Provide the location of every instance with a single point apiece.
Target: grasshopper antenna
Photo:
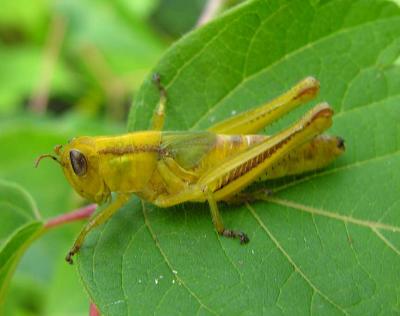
(38, 159)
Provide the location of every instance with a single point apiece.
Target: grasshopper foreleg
(98, 219)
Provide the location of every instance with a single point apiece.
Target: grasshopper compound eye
(78, 162)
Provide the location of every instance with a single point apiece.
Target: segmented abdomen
(229, 146)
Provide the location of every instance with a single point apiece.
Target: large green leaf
(21, 223)
(42, 276)
(327, 243)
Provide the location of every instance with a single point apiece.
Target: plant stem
(76, 215)
(93, 311)
(40, 95)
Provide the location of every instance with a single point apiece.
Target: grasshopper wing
(187, 148)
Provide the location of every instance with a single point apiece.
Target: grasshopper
(167, 168)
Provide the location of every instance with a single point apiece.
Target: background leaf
(20, 224)
(42, 279)
(328, 243)
(176, 17)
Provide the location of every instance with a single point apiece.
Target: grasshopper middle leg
(159, 113)
(217, 220)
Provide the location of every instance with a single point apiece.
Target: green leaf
(42, 276)
(125, 41)
(326, 243)
(15, 88)
(176, 17)
(25, 17)
(21, 223)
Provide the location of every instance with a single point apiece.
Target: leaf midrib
(343, 218)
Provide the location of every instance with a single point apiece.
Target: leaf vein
(292, 273)
(231, 262)
(356, 255)
(198, 53)
(162, 298)
(171, 268)
(372, 104)
(95, 248)
(386, 241)
(356, 76)
(132, 238)
(291, 261)
(336, 216)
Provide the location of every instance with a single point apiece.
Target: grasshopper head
(80, 165)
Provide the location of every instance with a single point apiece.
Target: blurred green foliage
(73, 67)
(85, 55)
(67, 68)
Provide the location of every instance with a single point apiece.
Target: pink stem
(93, 311)
(76, 215)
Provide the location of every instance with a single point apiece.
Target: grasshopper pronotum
(169, 168)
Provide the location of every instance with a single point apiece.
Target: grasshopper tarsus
(70, 254)
(68, 258)
(340, 143)
(244, 239)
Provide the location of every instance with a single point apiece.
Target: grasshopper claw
(70, 254)
(244, 239)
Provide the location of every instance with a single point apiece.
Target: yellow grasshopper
(169, 168)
